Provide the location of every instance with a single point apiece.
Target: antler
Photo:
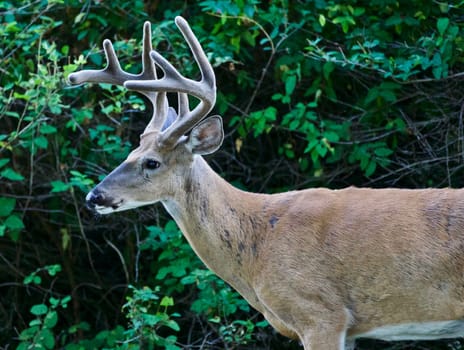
(173, 81)
(114, 74)
(155, 89)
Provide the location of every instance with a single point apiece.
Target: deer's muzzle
(100, 202)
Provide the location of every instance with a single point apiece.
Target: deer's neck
(220, 222)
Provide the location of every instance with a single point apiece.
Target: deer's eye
(151, 164)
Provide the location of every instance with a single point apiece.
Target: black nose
(95, 198)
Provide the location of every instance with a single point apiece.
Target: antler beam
(155, 89)
(173, 81)
(113, 73)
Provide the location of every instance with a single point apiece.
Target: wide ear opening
(207, 136)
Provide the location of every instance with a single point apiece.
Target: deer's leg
(327, 339)
(309, 308)
(325, 328)
(314, 323)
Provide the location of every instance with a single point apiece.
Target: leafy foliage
(314, 93)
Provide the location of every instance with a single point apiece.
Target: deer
(325, 267)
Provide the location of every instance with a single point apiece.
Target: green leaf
(47, 129)
(270, 113)
(167, 301)
(54, 302)
(41, 142)
(437, 72)
(370, 169)
(14, 222)
(65, 50)
(14, 235)
(442, 25)
(19, 96)
(59, 186)
(12, 175)
(39, 309)
(327, 69)
(235, 42)
(7, 205)
(383, 152)
(321, 149)
(311, 145)
(173, 325)
(4, 161)
(46, 338)
(331, 136)
(290, 84)
(75, 328)
(32, 278)
(51, 319)
(172, 346)
(35, 322)
(53, 269)
(64, 302)
(29, 333)
(364, 161)
(358, 11)
(79, 17)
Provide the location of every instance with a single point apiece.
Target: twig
(123, 263)
(84, 236)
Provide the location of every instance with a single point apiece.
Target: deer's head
(158, 167)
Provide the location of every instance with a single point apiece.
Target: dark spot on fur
(239, 258)
(226, 239)
(439, 218)
(253, 223)
(254, 248)
(188, 187)
(273, 221)
(204, 209)
(241, 247)
(441, 286)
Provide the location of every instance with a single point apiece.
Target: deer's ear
(207, 136)
(171, 118)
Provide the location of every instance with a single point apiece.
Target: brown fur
(320, 263)
(326, 262)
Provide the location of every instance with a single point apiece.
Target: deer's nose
(95, 198)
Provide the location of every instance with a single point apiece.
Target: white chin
(123, 206)
(105, 210)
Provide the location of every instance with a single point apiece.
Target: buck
(323, 266)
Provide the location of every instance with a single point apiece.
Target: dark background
(364, 93)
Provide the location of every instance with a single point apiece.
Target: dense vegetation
(313, 93)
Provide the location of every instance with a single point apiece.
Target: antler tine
(148, 66)
(183, 104)
(113, 73)
(160, 111)
(206, 69)
(173, 81)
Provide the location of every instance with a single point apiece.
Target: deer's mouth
(100, 202)
(103, 204)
